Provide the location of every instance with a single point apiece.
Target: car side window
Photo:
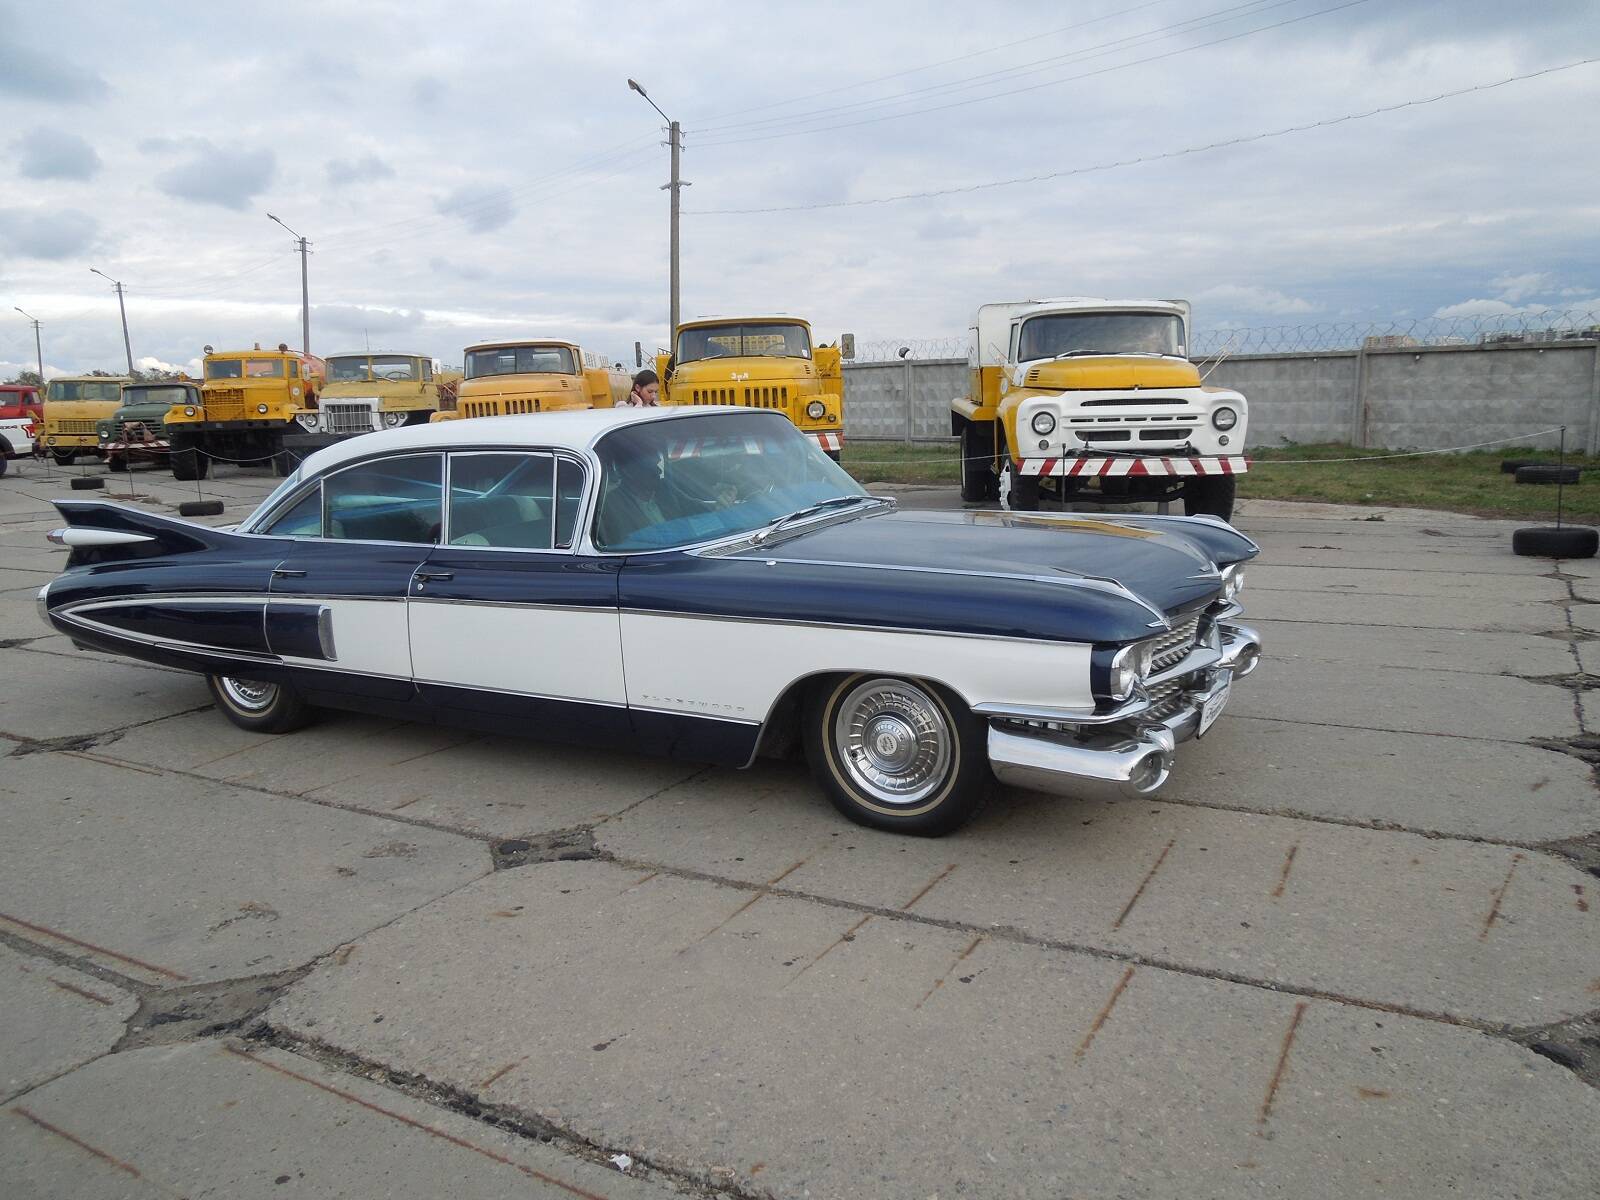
(569, 498)
(504, 500)
(302, 519)
(389, 500)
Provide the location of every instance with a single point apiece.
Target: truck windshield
(359, 368)
(520, 360)
(82, 390)
(168, 394)
(245, 368)
(741, 341)
(1056, 334)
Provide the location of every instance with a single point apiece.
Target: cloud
(1255, 300)
(56, 154)
(53, 234)
(358, 170)
(26, 72)
(219, 175)
(947, 227)
(1519, 287)
(151, 363)
(482, 209)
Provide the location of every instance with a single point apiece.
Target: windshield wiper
(760, 536)
(1075, 353)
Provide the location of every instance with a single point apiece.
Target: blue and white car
(702, 583)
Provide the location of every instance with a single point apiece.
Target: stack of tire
(1548, 541)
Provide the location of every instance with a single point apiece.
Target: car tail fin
(97, 531)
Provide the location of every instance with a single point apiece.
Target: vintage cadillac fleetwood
(704, 583)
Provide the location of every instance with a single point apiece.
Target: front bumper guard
(1121, 758)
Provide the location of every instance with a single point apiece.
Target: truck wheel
(64, 458)
(978, 481)
(897, 754)
(188, 463)
(5, 464)
(1018, 493)
(1210, 497)
(259, 707)
(283, 464)
(116, 462)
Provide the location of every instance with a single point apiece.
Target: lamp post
(127, 346)
(305, 290)
(37, 349)
(675, 186)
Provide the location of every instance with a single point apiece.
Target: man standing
(646, 391)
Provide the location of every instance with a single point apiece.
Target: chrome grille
(1165, 700)
(349, 418)
(1172, 648)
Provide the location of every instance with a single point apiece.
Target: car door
(336, 606)
(511, 628)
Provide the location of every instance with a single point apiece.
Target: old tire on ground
(897, 754)
(1547, 473)
(259, 707)
(188, 463)
(1510, 466)
(84, 483)
(978, 482)
(200, 508)
(1212, 496)
(1570, 541)
(64, 458)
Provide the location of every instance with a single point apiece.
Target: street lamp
(36, 346)
(127, 346)
(305, 290)
(675, 186)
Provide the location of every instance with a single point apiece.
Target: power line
(1019, 70)
(944, 62)
(1149, 158)
(1232, 37)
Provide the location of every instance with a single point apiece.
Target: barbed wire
(1535, 326)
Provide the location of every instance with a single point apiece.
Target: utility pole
(675, 186)
(305, 289)
(37, 346)
(127, 346)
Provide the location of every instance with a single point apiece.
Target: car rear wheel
(1210, 497)
(897, 754)
(257, 706)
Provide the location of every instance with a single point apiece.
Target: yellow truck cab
(1094, 399)
(541, 375)
(759, 362)
(369, 391)
(74, 406)
(248, 402)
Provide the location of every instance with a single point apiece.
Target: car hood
(1171, 563)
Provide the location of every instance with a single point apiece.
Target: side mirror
(847, 346)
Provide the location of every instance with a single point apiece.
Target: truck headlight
(816, 410)
(308, 420)
(1233, 581)
(1044, 422)
(1224, 418)
(1129, 668)
(189, 411)
(262, 409)
(393, 420)
(105, 435)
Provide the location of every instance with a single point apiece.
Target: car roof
(575, 431)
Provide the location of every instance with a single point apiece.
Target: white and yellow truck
(1091, 399)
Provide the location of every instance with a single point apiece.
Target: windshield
(739, 340)
(678, 482)
(168, 394)
(388, 368)
(520, 360)
(1102, 333)
(61, 389)
(244, 368)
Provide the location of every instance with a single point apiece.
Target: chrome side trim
(842, 625)
(325, 633)
(83, 536)
(516, 604)
(462, 687)
(1061, 716)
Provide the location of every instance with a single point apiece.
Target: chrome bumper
(1131, 756)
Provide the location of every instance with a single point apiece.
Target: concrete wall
(1422, 397)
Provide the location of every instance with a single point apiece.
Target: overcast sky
(478, 170)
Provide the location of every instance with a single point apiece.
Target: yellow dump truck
(759, 362)
(365, 392)
(248, 403)
(74, 406)
(1094, 399)
(541, 375)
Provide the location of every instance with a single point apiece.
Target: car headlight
(1224, 418)
(1233, 581)
(308, 420)
(1044, 422)
(261, 408)
(1129, 668)
(189, 411)
(816, 410)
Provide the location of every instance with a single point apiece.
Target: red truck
(21, 413)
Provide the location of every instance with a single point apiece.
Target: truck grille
(498, 408)
(72, 425)
(225, 404)
(348, 418)
(1172, 648)
(750, 397)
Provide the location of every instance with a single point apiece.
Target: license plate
(1212, 710)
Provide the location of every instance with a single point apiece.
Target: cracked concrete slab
(1265, 576)
(55, 1019)
(1399, 646)
(1351, 551)
(171, 881)
(1495, 616)
(242, 1121)
(1478, 932)
(926, 1060)
(51, 696)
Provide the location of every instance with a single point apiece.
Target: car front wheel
(259, 707)
(897, 754)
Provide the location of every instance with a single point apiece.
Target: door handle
(432, 576)
(281, 573)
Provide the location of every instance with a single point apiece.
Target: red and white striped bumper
(832, 442)
(1149, 465)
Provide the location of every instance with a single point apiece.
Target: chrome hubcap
(894, 740)
(248, 694)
